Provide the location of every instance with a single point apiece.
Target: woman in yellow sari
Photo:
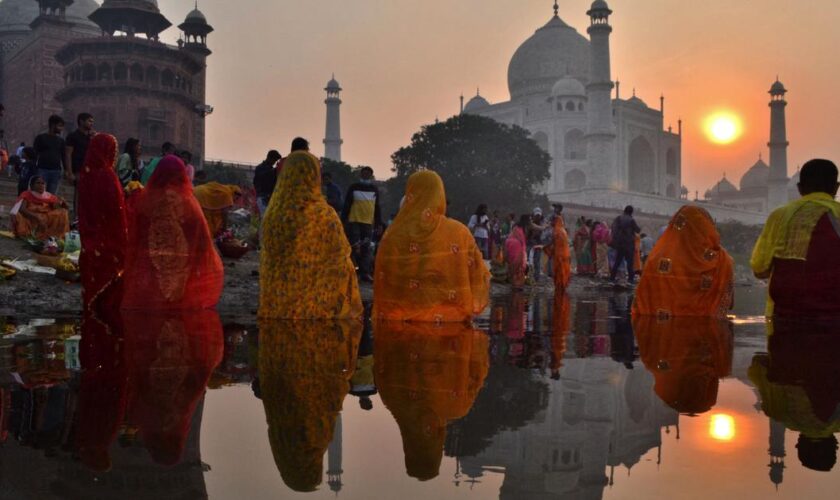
(428, 267)
(216, 200)
(688, 273)
(305, 266)
(39, 213)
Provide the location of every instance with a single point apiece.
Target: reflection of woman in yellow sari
(216, 200)
(687, 357)
(305, 369)
(428, 267)
(427, 376)
(305, 266)
(799, 386)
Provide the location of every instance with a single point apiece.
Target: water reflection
(428, 375)
(304, 374)
(800, 391)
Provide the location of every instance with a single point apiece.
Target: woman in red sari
(103, 227)
(171, 262)
(39, 213)
(516, 252)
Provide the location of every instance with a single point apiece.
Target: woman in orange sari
(688, 273)
(516, 252)
(305, 267)
(103, 226)
(39, 213)
(561, 254)
(216, 200)
(171, 262)
(428, 267)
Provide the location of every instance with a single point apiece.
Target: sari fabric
(561, 255)
(50, 219)
(103, 226)
(171, 263)
(103, 389)
(305, 369)
(305, 267)
(215, 200)
(170, 358)
(560, 328)
(688, 273)
(428, 375)
(428, 267)
(687, 356)
(583, 250)
(516, 255)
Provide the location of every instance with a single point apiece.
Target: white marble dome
(722, 187)
(475, 104)
(555, 51)
(16, 15)
(568, 87)
(756, 176)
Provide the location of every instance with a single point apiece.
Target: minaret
(334, 458)
(600, 138)
(777, 452)
(778, 178)
(332, 139)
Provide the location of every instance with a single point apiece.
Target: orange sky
(402, 63)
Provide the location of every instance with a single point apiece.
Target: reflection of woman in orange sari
(216, 200)
(39, 213)
(516, 252)
(428, 267)
(102, 224)
(305, 267)
(305, 370)
(688, 273)
(170, 359)
(560, 319)
(687, 356)
(171, 261)
(428, 375)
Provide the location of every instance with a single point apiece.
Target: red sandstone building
(66, 57)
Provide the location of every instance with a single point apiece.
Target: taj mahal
(608, 151)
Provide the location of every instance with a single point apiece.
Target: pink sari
(516, 256)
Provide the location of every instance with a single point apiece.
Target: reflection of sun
(723, 127)
(722, 427)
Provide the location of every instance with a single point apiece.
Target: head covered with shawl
(428, 267)
(171, 263)
(170, 358)
(305, 369)
(103, 226)
(688, 273)
(428, 375)
(214, 199)
(687, 356)
(305, 267)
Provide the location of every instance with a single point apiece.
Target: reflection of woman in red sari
(102, 393)
(102, 223)
(169, 361)
(171, 261)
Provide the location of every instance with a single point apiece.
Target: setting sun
(723, 127)
(722, 427)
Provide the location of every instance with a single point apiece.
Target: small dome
(756, 176)
(636, 101)
(568, 87)
(721, 188)
(475, 104)
(778, 88)
(599, 5)
(17, 15)
(333, 84)
(196, 16)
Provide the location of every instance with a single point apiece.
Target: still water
(547, 398)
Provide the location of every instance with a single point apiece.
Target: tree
(480, 161)
(227, 174)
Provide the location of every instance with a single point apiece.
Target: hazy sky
(402, 63)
